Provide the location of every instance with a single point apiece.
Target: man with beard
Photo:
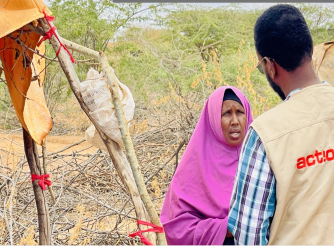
(283, 191)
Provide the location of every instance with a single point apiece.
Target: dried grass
(92, 205)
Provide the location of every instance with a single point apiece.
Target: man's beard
(276, 88)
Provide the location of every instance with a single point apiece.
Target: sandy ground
(11, 146)
(12, 151)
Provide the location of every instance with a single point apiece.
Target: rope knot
(42, 180)
(52, 32)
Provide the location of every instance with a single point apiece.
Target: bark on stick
(31, 152)
(112, 81)
(119, 160)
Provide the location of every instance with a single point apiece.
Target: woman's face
(233, 122)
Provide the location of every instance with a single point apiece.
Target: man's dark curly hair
(281, 33)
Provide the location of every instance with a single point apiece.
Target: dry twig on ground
(92, 205)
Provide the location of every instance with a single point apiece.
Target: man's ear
(271, 68)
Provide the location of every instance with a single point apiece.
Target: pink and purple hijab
(197, 202)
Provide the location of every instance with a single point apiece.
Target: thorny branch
(92, 205)
(91, 199)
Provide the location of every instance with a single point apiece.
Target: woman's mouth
(234, 134)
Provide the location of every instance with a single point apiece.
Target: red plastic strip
(155, 228)
(49, 34)
(42, 180)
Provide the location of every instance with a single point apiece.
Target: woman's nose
(234, 120)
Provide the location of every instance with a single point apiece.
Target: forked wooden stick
(119, 160)
(113, 83)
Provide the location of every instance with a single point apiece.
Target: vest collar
(298, 89)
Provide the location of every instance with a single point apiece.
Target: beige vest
(298, 136)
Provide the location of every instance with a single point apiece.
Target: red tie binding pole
(155, 228)
(42, 180)
(51, 32)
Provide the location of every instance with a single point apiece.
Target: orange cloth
(27, 97)
(14, 14)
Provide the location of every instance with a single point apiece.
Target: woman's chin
(234, 140)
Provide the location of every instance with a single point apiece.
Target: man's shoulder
(303, 108)
(270, 115)
(312, 95)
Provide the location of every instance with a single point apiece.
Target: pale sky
(245, 5)
(215, 5)
(242, 5)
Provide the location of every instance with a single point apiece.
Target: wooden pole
(113, 83)
(119, 160)
(81, 49)
(44, 153)
(31, 152)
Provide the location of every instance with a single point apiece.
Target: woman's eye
(241, 112)
(226, 113)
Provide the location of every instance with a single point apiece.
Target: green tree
(150, 59)
(92, 24)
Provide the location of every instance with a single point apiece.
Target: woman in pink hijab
(196, 206)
